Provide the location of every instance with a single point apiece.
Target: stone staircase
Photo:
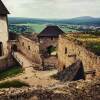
(23, 60)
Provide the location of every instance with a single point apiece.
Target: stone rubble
(76, 90)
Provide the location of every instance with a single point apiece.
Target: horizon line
(51, 18)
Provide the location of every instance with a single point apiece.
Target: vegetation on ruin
(11, 72)
(51, 49)
(91, 42)
(94, 47)
(13, 83)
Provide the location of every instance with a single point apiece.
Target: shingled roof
(51, 31)
(3, 9)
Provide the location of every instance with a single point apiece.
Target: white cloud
(53, 8)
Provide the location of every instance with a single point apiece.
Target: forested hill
(86, 20)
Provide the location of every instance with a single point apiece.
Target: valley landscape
(86, 24)
(50, 56)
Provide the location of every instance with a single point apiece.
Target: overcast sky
(53, 8)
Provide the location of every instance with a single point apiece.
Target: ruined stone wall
(29, 48)
(77, 90)
(46, 42)
(4, 33)
(69, 51)
(6, 62)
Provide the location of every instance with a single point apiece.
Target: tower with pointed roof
(48, 38)
(3, 29)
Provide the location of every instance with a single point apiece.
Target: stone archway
(14, 47)
(50, 49)
(1, 49)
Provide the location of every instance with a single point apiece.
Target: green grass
(11, 72)
(66, 29)
(14, 84)
(94, 47)
(91, 42)
(36, 27)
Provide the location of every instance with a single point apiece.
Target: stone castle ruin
(49, 48)
(3, 29)
(40, 49)
(69, 51)
(5, 60)
(48, 38)
(48, 45)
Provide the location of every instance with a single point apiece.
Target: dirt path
(31, 76)
(36, 78)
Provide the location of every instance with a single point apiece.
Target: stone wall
(69, 51)
(4, 33)
(29, 48)
(46, 42)
(72, 73)
(6, 62)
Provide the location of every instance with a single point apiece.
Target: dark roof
(3, 9)
(51, 31)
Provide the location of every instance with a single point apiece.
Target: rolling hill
(85, 20)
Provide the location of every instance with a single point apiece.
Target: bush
(94, 47)
(14, 84)
(51, 49)
(11, 72)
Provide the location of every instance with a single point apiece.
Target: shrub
(11, 72)
(14, 84)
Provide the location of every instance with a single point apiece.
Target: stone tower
(3, 29)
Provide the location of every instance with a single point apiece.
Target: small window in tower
(22, 43)
(1, 49)
(65, 50)
(51, 38)
(28, 47)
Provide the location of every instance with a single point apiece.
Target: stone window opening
(1, 49)
(64, 67)
(51, 38)
(14, 48)
(65, 50)
(22, 43)
(94, 74)
(29, 48)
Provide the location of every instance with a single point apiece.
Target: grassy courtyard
(11, 72)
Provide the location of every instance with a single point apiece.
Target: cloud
(53, 8)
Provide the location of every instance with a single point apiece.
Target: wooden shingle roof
(51, 31)
(3, 9)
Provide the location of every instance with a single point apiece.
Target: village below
(54, 62)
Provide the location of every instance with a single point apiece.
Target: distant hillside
(86, 20)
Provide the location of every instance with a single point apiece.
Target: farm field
(37, 28)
